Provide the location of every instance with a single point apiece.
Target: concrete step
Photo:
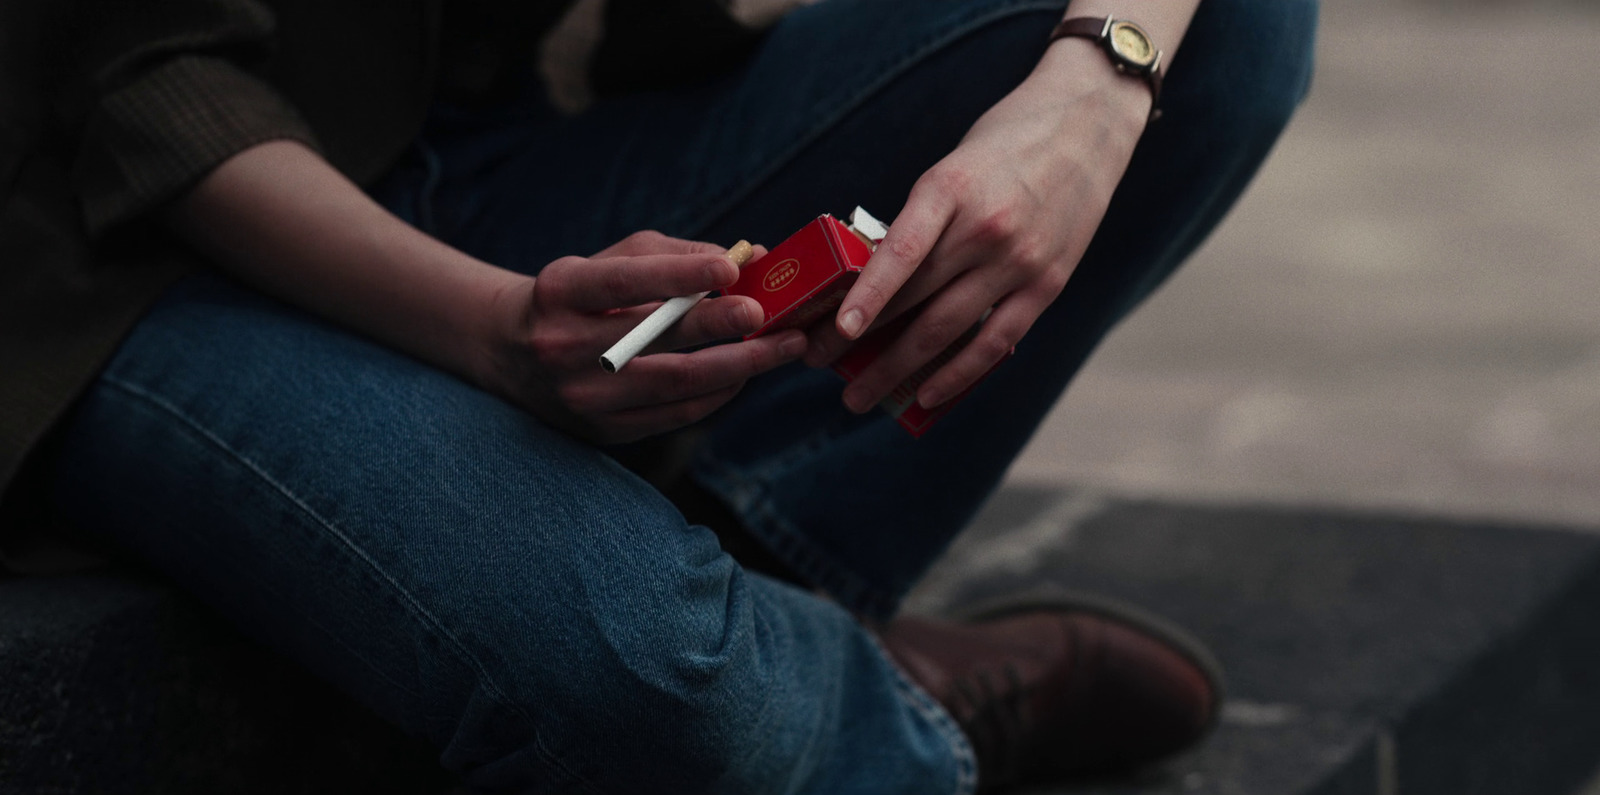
(1366, 654)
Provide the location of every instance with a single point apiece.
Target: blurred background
(1403, 312)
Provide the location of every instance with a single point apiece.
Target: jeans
(542, 616)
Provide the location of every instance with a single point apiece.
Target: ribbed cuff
(151, 139)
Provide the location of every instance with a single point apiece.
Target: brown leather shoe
(1047, 689)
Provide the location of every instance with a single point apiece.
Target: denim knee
(657, 681)
(1243, 70)
(689, 682)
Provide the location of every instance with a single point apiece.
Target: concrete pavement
(1404, 310)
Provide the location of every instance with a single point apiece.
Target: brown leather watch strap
(1097, 28)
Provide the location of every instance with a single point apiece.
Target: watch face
(1128, 41)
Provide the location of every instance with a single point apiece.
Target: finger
(1000, 333)
(634, 424)
(912, 236)
(828, 343)
(711, 320)
(595, 285)
(650, 241)
(929, 335)
(671, 377)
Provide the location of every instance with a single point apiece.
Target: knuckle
(874, 294)
(1052, 281)
(616, 282)
(645, 237)
(564, 270)
(905, 248)
(543, 344)
(936, 334)
(551, 346)
(1030, 250)
(949, 179)
(997, 226)
(551, 288)
(685, 379)
(761, 359)
(559, 281)
(990, 347)
(573, 395)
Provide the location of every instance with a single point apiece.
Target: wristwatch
(1129, 47)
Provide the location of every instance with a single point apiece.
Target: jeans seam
(891, 69)
(412, 605)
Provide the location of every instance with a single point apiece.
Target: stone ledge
(1365, 653)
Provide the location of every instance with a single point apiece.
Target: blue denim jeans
(546, 619)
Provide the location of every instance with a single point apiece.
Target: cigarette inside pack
(805, 278)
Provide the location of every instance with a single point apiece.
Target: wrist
(1078, 68)
(500, 330)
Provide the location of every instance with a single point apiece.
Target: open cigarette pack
(804, 279)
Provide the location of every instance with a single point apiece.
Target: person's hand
(554, 327)
(1001, 222)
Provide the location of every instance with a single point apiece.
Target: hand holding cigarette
(551, 332)
(663, 318)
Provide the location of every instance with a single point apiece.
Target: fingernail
(723, 272)
(753, 317)
(793, 346)
(857, 400)
(930, 398)
(851, 322)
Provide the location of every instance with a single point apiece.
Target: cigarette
(652, 327)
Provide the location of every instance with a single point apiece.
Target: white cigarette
(652, 327)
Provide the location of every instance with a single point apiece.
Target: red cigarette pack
(805, 278)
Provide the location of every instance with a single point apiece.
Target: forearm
(280, 218)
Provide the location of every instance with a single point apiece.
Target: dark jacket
(111, 108)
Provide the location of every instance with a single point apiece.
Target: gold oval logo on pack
(779, 275)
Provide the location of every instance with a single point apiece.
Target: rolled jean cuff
(928, 708)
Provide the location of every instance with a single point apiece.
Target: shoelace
(998, 723)
(994, 720)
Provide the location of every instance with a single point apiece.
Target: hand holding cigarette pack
(805, 278)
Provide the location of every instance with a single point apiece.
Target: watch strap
(1098, 29)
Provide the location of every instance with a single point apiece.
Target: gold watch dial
(1128, 41)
